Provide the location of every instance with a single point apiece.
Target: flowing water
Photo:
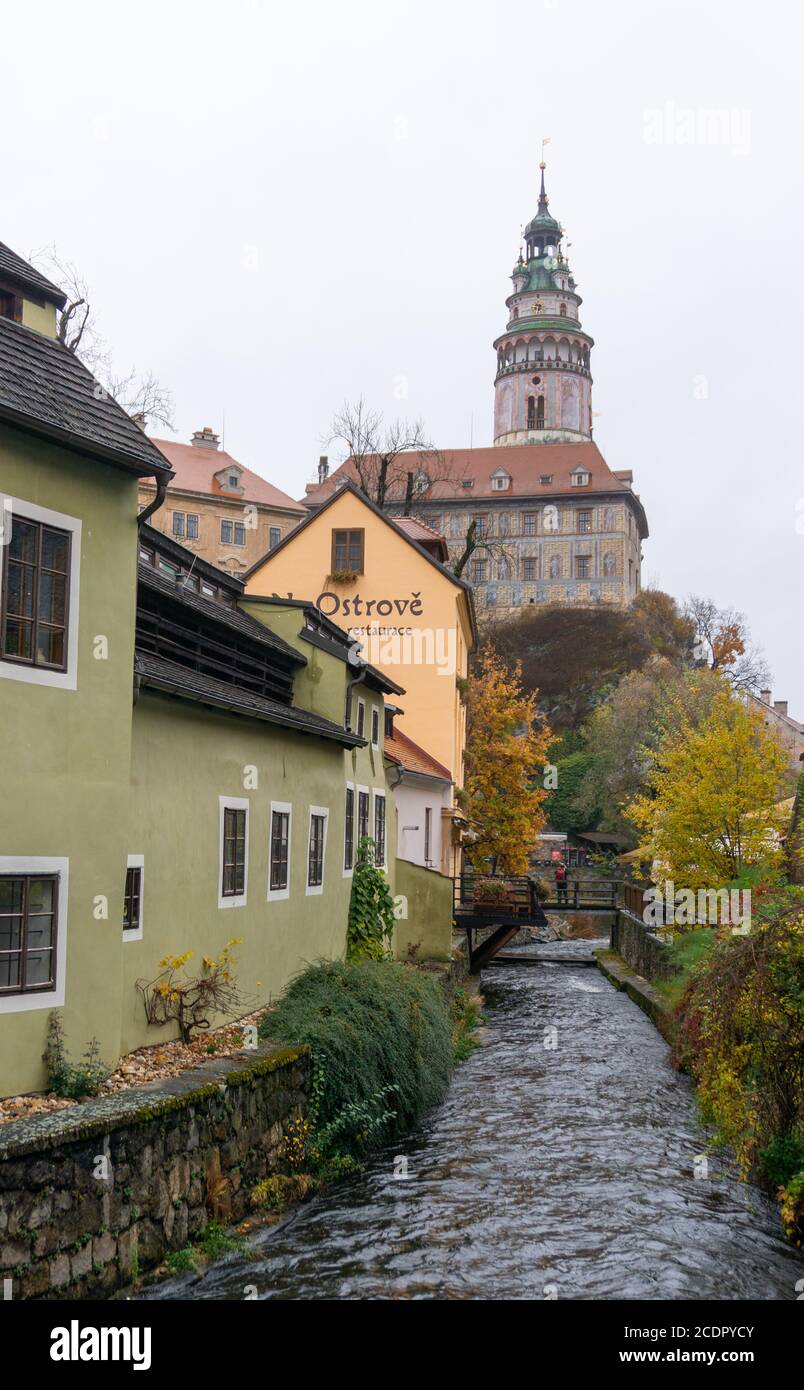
(561, 1171)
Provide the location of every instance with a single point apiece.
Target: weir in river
(565, 1163)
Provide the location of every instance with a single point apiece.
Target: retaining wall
(93, 1194)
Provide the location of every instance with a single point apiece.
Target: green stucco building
(180, 766)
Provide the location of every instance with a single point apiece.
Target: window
(316, 849)
(178, 523)
(500, 482)
(279, 851)
(227, 531)
(361, 719)
(234, 480)
(28, 923)
(467, 483)
(192, 526)
(579, 478)
(362, 813)
(584, 521)
(348, 551)
(582, 566)
(132, 898)
(234, 852)
(529, 569)
(529, 524)
(630, 573)
(240, 533)
(546, 479)
(379, 829)
(36, 580)
(349, 831)
(428, 834)
(274, 537)
(479, 568)
(11, 306)
(540, 413)
(531, 413)
(375, 727)
(481, 524)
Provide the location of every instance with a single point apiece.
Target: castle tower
(543, 386)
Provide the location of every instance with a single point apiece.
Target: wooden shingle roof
(47, 391)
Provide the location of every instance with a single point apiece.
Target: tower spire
(542, 195)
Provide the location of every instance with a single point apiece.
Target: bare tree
(395, 464)
(723, 643)
(140, 394)
(475, 542)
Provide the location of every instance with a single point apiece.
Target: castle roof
(468, 474)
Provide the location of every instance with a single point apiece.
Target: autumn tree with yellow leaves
(506, 753)
(709, 810)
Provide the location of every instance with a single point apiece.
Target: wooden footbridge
(498, 906)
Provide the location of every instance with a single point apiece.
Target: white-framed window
(316, 849)
(133, 897)
(375, 727)
(40, 567)
(279, 851)
(380, 829)
(361, 718)
(233, 864)
(33, 932)
(349, 829)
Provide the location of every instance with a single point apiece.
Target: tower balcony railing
(549, 364)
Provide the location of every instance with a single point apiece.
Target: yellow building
(414, 619)
(221, 510)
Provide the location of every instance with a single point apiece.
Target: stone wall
(641, 948)
(93, 1194)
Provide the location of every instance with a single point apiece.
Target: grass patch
(467, 1019)
(686, 951)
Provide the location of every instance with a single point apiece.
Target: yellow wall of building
(429, 614)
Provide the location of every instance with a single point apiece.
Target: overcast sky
(280, 207)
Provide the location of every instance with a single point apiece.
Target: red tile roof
(402, 750)
(526, 464)
(195, 470)
(431, 539)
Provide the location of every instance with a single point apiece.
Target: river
(562, 1171)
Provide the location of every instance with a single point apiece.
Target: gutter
(161, 493)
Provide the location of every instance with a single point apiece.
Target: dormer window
(468, 483)
(546, 479)
(421, 482)
(233, 480)
(500, 481)
(10, 305)
(579, 477)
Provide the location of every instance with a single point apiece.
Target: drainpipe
(401, 771)
(161, 493)
(357, 680)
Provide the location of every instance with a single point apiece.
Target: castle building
(552, 522)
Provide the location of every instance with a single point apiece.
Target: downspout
(358, 680)
(401, 770)
(161, 493)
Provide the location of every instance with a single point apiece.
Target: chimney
(780, 706)
(323, 469)
(764, 696)
(205, 439)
